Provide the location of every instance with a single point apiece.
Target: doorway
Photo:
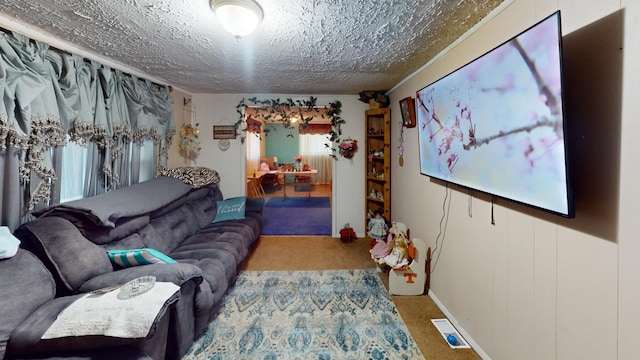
(297, 194)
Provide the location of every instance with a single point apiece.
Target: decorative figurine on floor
(399, 255)
(397, 252)
(347, 234)
(377, 226)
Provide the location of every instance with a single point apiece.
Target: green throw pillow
(135, 257)
(231, 209)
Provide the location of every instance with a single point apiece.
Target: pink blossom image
(496, 124)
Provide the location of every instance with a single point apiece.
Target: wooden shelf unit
(378, 163)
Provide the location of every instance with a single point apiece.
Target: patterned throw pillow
(135, 257)
(195, 176)
(231, 209)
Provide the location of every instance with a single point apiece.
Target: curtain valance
(314, 129)
(48, 94)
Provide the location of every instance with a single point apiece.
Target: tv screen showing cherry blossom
(496, 124)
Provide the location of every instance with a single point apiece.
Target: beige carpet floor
(327, 253)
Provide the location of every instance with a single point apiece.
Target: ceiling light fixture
(239, 17)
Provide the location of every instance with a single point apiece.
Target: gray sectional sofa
(64, 255)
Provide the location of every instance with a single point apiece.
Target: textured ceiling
(301, 46)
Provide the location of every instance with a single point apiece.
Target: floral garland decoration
(348, 148)
(189, 143)
(282, 111)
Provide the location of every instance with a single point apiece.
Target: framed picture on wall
(408, 111)
(224, 132)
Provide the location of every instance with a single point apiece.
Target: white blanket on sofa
(8, 243)
(107, 315)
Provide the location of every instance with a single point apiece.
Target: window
(147, 161)
(73, 170)
(253, 152)
(315, 153)
(314, 144)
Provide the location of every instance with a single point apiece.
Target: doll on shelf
(377, 226)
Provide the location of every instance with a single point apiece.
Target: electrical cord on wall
(493, 219)
(443, 230)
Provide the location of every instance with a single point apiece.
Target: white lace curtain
(253, 153)
(48, 94)
(316, 154)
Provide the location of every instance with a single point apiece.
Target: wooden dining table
(311, 172)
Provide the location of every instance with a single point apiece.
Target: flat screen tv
(496, 125)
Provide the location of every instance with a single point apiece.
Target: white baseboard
(458, 327)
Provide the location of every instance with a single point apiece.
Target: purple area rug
(298, 202)
(313, 219)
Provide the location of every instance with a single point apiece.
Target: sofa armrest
(120, 353)
(254, 204)
(176, 273)
(26, 340)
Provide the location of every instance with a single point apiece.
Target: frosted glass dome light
(239, 17)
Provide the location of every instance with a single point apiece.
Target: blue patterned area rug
(332, 314)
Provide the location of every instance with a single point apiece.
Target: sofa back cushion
(71, 258)
(171, 229)
(177, 221)
(26, 284)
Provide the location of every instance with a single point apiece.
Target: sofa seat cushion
(254, 221)
(231, 242)
(222, 251)
(244, 228)
(178, 274)
(21, 274)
